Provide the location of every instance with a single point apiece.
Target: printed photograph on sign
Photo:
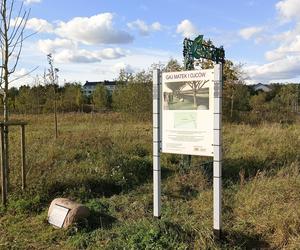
(186, 95)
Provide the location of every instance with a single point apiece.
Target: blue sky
(93, 39)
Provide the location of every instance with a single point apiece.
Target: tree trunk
(231, 106)
(5, 58)
(6, 141)
(195, 97)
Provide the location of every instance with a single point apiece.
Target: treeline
(40, 98)
(133, 97)
(280, 104)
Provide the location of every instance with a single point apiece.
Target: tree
(257, 102)
(12, 94)
(234, 77)
(72, 97)
(124, 77)
(172, 65)
(135, 98)
(51, 78)
(24, 100)
(39, 97)
(289, 95)
(100, 97)
(11, 42)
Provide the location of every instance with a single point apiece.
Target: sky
(91, 40)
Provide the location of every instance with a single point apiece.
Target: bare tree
(13, 21)
(11, 42)
(51, 78)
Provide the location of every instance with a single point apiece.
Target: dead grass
(104, 161)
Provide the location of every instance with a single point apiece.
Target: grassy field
(105, 162)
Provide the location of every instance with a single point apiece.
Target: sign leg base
(217, 234)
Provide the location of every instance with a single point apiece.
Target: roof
(262, 87)
(105, 82)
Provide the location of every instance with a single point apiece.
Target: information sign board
(188, 112)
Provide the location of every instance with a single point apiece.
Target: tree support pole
(6, 157)
(3, 177)
(23, 166)
(156, 144)
(217, 146)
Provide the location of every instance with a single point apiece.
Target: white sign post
(217, 164)
(187, 114)
(156, 143)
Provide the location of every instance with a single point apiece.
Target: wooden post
(3, 177)
(55, 118)
(6, 157)
(23, 170)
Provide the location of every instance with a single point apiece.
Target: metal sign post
(217, 164)
(156, 143)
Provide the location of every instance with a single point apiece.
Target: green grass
(105, 162)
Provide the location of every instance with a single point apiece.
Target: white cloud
(20, 77)
(87, 56)
(39, 25)
(284, 60)
(284, 69)
(112, 53)
(35, 24)
(156, 26)
(51, 46)
(20, 72)
(121, 65)
(287, 49)
(76, 56)
(143, 28)
(288, 9)
(27, 2)
(249, 32)
(96, 29)
(187, 29)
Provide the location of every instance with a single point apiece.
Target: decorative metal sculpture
(199, 48)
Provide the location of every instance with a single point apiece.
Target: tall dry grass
(104, 161)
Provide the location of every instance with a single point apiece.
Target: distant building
(261, 87)
(89, 87)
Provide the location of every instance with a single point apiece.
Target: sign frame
(217, 146)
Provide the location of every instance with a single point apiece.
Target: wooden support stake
(3, 177)
(6, 157)
(23, 170)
